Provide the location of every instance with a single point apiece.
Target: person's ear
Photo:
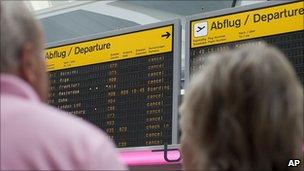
(28, 64)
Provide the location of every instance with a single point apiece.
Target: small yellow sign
(119, 47)
(256, 23)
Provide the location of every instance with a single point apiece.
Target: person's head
(22, 46)
(243, 111)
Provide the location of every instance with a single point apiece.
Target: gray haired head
(18, 27)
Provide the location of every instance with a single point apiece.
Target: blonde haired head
(243, 111)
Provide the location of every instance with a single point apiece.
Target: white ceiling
(46, 4)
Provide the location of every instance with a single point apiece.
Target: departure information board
(125, 82)
(278, 24)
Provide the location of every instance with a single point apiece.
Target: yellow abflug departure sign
(132, 45)
(125, 82)
(280, 24)
(247, 25)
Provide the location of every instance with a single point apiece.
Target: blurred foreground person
(243, 111)
(35, 136)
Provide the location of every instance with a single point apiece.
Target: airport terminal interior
(124, 65)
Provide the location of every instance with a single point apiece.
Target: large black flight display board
(278, 24)
(125, 82)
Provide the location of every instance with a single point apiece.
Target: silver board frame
(217, 13)
(176, 68)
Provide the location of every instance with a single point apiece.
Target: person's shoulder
(89, 145)
(46, 131)
(38, 117)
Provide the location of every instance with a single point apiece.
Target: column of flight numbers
(155, 100)
(111, 99)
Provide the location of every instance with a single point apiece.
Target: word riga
(294, 163)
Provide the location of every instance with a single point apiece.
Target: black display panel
(128, 93)
(279, 24)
